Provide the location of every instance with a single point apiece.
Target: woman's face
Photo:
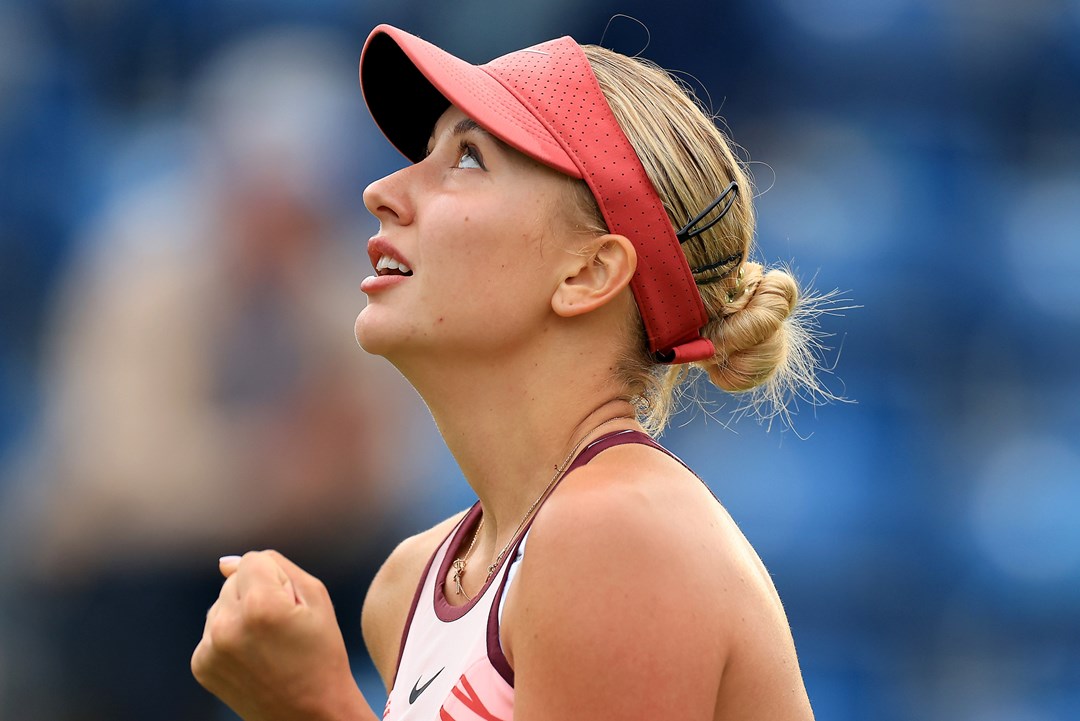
(481, 229)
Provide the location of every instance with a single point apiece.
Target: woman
(573, 232)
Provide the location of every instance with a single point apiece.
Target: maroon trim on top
(416, 599)
(617, 438)
(444, 610)
(494, 642)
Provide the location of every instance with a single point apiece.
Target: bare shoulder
(639, 594)
(386, 607)
(648, 506)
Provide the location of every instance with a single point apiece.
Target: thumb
(228, 565)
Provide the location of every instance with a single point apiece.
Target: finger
(304, 584)
(230, 590)
(289, 568)
(258, 571)
(227, 599)
(228, 565)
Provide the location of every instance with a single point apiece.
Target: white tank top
(451, 665)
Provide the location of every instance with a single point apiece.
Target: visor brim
(408, 83)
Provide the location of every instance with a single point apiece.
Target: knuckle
(262, 610)
(225, 635)
(200, 663)
(316, 586)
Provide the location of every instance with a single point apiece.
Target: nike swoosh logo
(418, 689)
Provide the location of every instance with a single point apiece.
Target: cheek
(490, 257)
(479, 258)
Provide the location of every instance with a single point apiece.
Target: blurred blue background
(182, 237)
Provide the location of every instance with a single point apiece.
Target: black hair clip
(734, 258)
(688, 231)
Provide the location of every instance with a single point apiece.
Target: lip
(379, 246)
(375, 283)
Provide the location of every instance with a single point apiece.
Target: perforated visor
(408, 83)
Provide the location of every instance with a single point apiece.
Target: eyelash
(467, 148)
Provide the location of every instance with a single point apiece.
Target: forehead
(450, 118)
(455, 122)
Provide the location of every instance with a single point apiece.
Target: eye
(469, 157)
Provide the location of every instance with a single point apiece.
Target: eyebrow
(463, 126)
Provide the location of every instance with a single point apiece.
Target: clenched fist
(272, 649)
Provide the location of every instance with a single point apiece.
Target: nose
(388, 199)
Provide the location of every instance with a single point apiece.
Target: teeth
(387, 262)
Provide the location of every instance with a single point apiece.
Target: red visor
(545, 101)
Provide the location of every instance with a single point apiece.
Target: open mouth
(389, 266)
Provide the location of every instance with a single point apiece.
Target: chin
(376, 335)
(366, 336)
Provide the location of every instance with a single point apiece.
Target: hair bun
(751, 338)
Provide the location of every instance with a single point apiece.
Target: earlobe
(597, 276)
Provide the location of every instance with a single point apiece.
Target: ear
(596, 276)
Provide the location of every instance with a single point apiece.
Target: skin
(638, 598)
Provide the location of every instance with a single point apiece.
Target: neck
(509, 426)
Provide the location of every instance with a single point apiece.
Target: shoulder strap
(618, 438)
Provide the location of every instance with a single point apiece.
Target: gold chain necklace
(460, 564)
(559, 469)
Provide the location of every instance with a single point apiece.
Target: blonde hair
(760, 324)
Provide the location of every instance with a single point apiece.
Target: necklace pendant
(459, 570)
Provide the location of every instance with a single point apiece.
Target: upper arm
(639, 598)
(389, 599)
(611, 619)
